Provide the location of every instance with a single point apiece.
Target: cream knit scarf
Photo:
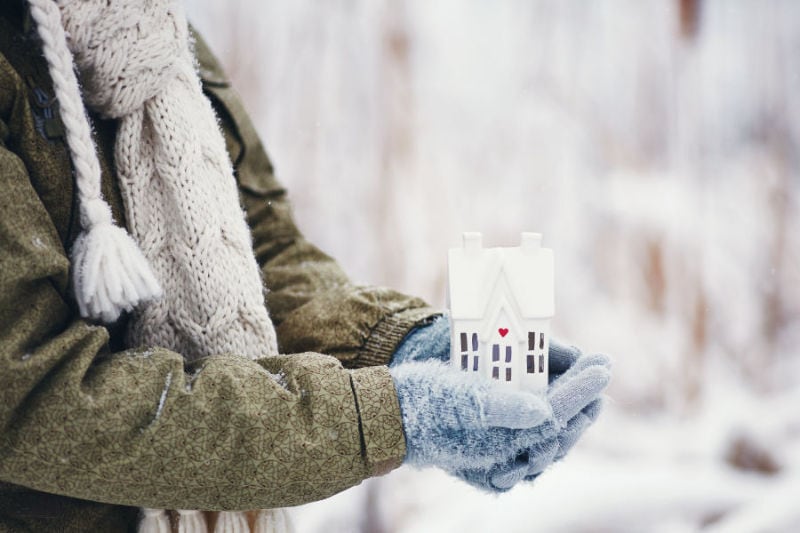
(190, 277)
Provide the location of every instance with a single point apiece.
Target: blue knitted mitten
(528, 464)
(456, 420)
(431, 341)
(459, 421)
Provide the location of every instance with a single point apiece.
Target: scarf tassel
(273, 521)
(111, 275)
(232, 522)
(191, 522)
(154, 521)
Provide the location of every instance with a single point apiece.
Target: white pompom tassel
(232, 522)
(154, 521)
(273, 521)
(191, 522)
(111, 274)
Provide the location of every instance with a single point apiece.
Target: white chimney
(530, 242)
(473, 240)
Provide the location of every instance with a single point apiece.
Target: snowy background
(655, 144)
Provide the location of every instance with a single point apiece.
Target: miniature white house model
(501, 302)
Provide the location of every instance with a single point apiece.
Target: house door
(502, 358)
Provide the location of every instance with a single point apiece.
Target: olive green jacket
(90, 431)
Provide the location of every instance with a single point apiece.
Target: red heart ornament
(503, 332)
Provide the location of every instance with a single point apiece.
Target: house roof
(496, 305)
(475, 273)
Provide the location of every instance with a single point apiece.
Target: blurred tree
(689, 15)
(396, 146)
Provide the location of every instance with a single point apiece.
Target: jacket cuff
(383, 443)
(385, 337)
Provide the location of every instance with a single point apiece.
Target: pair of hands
(482, 432)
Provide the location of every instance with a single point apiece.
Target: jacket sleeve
(312, 302)
(138, 427)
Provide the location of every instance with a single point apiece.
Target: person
(139, 369)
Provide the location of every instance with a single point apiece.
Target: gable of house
(475, 275)
(502, 298)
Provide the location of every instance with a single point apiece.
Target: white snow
(144, 354)
(279, 378)
(162, 399)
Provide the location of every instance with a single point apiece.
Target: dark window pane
(474, 342)
(464, 362)
(475, 363)
(496, 373)
(541, 362)
(495, 352)
(463, 342)
(508, 354)
(531, 364)
(508, 374)
(531, 341)
(541, 341)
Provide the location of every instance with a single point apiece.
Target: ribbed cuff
(383, 444)
(387, 334)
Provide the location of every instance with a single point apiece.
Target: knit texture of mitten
(455, 420)
(527, 466)
(480, 431)
(431, 341)
(577, 381)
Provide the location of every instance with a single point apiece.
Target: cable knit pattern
(126, 52)
(176, 179)
(134, 61)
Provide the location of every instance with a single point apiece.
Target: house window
(531, 358)
(541, 362)
(464, 355)
(501, 366)
(468, 342)
(541, 341)
(496, 361)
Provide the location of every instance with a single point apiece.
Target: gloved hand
(463, 423)
(528, 464)
(432, 342)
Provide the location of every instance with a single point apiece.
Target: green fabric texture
(90, 431)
